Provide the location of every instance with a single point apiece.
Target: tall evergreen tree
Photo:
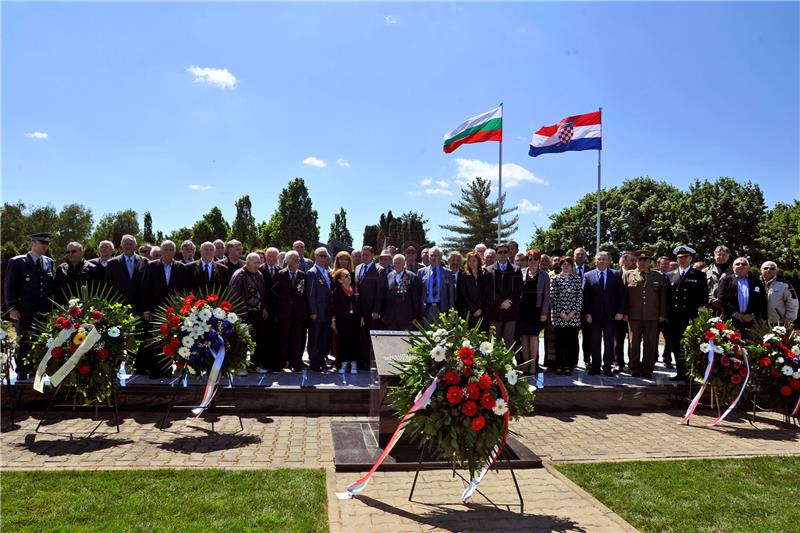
(114, 225)
(339, 229)
(74, 224)
(147, 233)
(211, 227)
(479, 218)
(294, 219)
(244, 225)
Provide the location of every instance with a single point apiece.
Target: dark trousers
(566, 346)
(293, 342)
(677, 326)
(505, 331)
(604, 332)
(663, 328)
(272, 345)
(619, 341)
(257, 328)
(25, 333)
(586, 341)
(319, 343)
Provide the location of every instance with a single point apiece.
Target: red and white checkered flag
(565, 132)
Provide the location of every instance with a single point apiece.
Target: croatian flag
(579, 132)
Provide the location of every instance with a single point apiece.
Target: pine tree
(295, 219)
(339, 229)
(244, 225)
(479, 218)
(147, 234)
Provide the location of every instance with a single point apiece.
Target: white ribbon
(211, 384)
(38, 381)
(87, 344)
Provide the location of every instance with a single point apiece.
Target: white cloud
(314, 162)
(219, 77)
(525, 206)
(442, 192)
(196, 187)
(513, 174)
(442, 183)
(40, 135)
(426, 182)
(342, 162)
(390, 20)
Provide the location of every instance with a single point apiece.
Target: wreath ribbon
(213, 381)
(706, 374)
(55, 380)
(38, 381)
(739, 396)
(796, 411)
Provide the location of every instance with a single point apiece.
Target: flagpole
(599, 151)
(500, 184)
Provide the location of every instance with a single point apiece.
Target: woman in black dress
(345, 320)
(534, 308)
(566, 295)
(471, 291)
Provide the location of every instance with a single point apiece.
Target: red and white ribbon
(706, 374)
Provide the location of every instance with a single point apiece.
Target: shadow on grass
(70, 445)
(477, 517)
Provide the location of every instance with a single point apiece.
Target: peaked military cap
(683, 250)
(43, 237)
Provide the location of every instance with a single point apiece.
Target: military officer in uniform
(647, 306)
(28, 289)
(688, 292)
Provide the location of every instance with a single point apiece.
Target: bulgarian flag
(485, 127)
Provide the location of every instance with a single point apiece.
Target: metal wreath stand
(181, 379)
(112, 404)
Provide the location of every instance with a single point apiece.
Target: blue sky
(687, 90)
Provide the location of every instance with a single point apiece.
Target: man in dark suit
(743, 297)
(292, 311)
(688, 292)
(318, 292)
(106, 252)
(124, 273)
(162, 277)
(73, 273)
(204, 274)
(603, 304)
(371, 291)
(270, 270)
(233, 260)
(503, 294)
(28, 289)
(300, 248)
(581, 268)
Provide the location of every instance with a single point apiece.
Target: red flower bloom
(487, 400)
(180, 363)
(175, 342)
(485, 382)
(467, 372)
(97, 315)
(199, 303)
(721, 326)
(226, 306)
(102, 354)
(57, 352)
(786, 390)
(164, 329)
(469, 408)
(478, 422)
(455, 395)
(736, 379)
(169, 350)
(735, 336)
(736, 365)
(74, 311)
(189, 299)
(468, 361)
(794, 383)
(212, 298)
(709, 336)
(724, 361)
(774, 372)
(170, 311)
(185, 309)
(465, 352)
(765, 361)
(743, 371)
(174, 321)
(473, 391)
(451, 378)
(84, 369)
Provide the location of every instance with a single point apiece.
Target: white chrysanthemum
(512, 376)
(219, 313)
(187, 341)
(113, 332)
(796, 349)
(779, 360)
(438, 353)
(486, 347)
(466, 343)
(780, 330)
(204, 314)
(715, 331)
(73, 302)
(184, 352)
(714, 320)
(796, 375)
(188, 322)
(500, 407)
(787, 370)
(770, 337)
(232, 318)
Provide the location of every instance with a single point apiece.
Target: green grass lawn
(289, 500)
(721, 495)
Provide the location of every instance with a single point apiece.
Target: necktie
(435, 288)
(208, 271)
(291, 274)
(603, 280)
(130, 266)
(39, 265)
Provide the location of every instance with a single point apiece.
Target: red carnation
(467, 372)
(174, 321)
(774, 372)
(455, 395)
(736, 379)
(765, 361)
(721, 326)
(469, 408)
(185, 309)
(487, 400)
(170, 311)
(164, 329)
(794, 383)
(84, 369)
(473, 391)
(485, 382)
(786, 390)
(226, 306)
(175, 342)
(199, 303)
(212, 298)
(735, 336)
(724, 361)
(57, 352)
(189, 299)
(451, 378)
(478, 422)
(169, 350)
(709, 336)
(74, 311)
(102, 354)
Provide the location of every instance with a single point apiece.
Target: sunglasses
(502, 252)
(345, 276)
(643, 259)
(767, 268)
(72, 251)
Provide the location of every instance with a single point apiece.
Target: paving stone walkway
(552, 503)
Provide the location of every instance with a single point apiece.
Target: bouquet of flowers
(715, 348)
(479, 389)
(776, 363)
(84, 343)
(195, 332)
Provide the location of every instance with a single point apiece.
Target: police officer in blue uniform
(28, 289)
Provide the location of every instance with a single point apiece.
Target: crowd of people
(328, 305)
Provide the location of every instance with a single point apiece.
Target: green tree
(339, 229)
(779, 237)
(13, 221)
(75, 223)
(113, 226)
(211, 227)
(478, 218)
(371, 232)
(179, 235)
(244, 224)
(294, 219)
(409, 226)
(147, 234)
